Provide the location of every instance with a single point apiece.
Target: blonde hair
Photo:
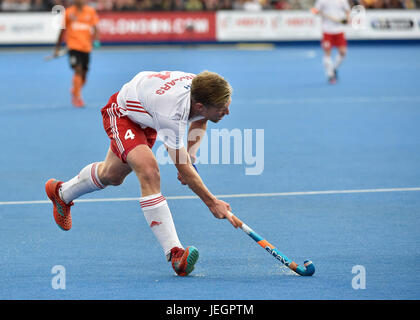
(210, 89)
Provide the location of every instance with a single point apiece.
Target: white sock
(338, 60)
(329, 66)
(86, 181)
(159, 217)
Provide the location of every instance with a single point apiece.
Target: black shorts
(79, 58)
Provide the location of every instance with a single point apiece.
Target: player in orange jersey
(82, 34)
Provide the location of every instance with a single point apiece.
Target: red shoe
(183, 261)
(61, 211)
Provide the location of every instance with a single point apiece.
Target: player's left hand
(221, 210)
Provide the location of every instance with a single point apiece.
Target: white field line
(270, 102)
(240, 195)
(355, 99)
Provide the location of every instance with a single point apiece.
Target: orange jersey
(79, 24)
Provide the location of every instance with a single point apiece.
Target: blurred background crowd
(197, 5)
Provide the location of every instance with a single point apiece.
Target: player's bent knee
(110, 178)
(116, 181)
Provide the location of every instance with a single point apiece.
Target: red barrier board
(157, 26)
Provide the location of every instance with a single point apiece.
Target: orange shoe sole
(61, 211)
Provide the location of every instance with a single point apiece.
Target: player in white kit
(153, 104)
(335, 14)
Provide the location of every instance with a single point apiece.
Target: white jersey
(336, 9)
(159, 100)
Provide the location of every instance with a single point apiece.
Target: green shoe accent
(59, 208)
(191, 259)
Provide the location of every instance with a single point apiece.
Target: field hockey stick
(307, 270)
(322, 14)
(342, 21)
(60, 53)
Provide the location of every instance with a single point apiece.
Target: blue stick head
(307, 270)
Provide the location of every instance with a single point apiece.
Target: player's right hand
(220, 210)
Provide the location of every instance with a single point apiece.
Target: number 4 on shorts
(129, 135)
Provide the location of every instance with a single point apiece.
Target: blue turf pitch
(362, 133)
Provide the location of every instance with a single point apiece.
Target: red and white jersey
(336, 9)
(159, 100)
